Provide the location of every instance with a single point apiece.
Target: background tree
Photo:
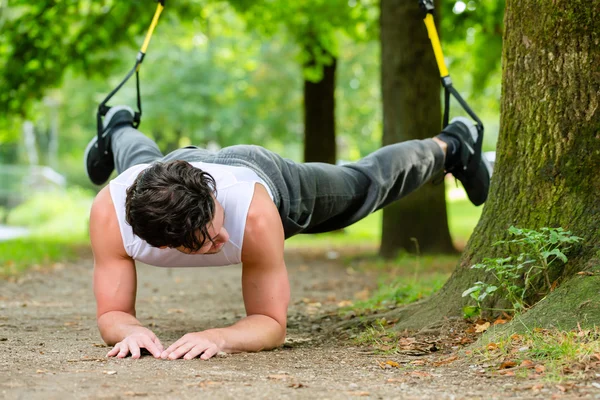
(315, 25)
(548, 160)
(411, 110)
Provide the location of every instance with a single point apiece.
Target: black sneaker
(473, 170)
(100, 166)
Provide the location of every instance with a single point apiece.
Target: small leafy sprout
(526, 274)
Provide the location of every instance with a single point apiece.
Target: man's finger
(181, 350)
(159, 345)
(149, 345)
(208, 353)
(134, 349)
(113, 352)
(172, 348)
(124, 350)
(195, 351)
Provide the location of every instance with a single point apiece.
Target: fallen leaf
(508, 364)
(417, 362)
(482, 327)
(540, 369)
(561, 388)
(395, 380)
(527, 364)
(508, 373)
(516, 337)
(393, 364)
(466, 340)
(597, 355)
(492, 347)
(41, 371)
(420, 374)
(554, 285)
(135, 394)
(586, 273)
(445, 361)
(203, 384)
(296, 385)
(538, 387)
(358, 393)
(345, 303)
(500, 321)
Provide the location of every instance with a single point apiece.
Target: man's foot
(100, 166)
(470, 167)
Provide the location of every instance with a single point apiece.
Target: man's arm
(115, 284)
(265, 288)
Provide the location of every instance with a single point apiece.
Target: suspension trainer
(103, 107)
(428, 7)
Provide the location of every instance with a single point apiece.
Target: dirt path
(50, 347)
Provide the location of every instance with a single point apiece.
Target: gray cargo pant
(311, 197)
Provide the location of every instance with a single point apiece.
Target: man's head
(172, 205)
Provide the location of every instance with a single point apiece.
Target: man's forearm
(114, 326)
(252, 333)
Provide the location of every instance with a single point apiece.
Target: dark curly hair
(169, 203)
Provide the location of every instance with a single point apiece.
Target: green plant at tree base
(519, 277)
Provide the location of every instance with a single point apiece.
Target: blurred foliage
(55, 214)
(227, 72)
(314, 25)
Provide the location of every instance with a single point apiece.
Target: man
(193, 207)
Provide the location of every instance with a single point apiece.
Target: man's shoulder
(103, 206)
(262, 213)
(104, 226)
(263, 227)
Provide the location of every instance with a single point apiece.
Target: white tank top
(235, 188)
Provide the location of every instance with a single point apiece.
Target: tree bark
(548, 164)
(411, 110)
(319, 117)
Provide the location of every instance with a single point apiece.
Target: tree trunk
(411, 110)
(319, 118)
(547, 171)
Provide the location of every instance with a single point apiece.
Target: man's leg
(340, 196)
(126, 146)
(316, 197)
(343, 195)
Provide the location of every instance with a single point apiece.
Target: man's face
(216, 232)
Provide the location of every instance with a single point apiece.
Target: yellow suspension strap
(103, 107)
(428, 7)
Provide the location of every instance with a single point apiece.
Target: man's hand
(139, 338)
(204, 344)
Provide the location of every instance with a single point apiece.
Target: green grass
(20, 254)
(401, 290)
(555, 355)
(58, 224)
